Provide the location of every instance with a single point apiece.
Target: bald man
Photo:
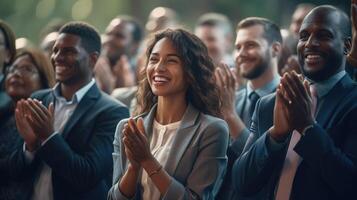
(303, 144)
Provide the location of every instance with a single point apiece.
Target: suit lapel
(332, 100)
(88, 100)
(183, 137)
(149, 121)
(48, 99)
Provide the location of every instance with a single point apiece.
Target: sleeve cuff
(44, 142)
(117, 194)
(237, 144)
(274, 145)
(175, 190)
(29, 156)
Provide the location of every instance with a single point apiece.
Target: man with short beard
(303, 143)
(258, 46)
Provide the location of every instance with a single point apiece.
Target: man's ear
(93, 58)
(347, 45)
(276, 49)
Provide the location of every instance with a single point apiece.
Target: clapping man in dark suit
(68, 130)
(310, 149)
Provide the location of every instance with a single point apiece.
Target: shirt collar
(78, 96)
(324, 87)
(266, 89)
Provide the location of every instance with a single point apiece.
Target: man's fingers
(231, 82)
(218, 78)
(221, 78)
(280, 97)
(286, 90)
(33, 112)
(299, 85)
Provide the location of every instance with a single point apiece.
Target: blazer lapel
(149, 121)
(88, 100)
(184, 134)
(332, 100)
(48, 99)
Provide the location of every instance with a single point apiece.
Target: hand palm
(24, 128)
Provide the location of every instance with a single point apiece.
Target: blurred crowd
(245, 111)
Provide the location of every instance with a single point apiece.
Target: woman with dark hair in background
(30, 71)
(7, 55)
(176, 147)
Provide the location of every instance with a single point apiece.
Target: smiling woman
(30, 71)
(176, 139)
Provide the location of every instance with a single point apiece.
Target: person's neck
(263, 79)
(170, 109)
(68, 90)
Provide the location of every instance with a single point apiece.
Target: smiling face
(71, 60)
(321, 45)
(253, 54)
(22, 78)
(165, 71)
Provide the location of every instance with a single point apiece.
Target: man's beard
(258, 69)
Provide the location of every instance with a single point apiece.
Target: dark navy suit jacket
(81, 157)
(329, 152)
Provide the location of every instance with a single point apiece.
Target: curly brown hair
(198, 67)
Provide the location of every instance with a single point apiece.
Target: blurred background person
(161, 18)
(49, 36)
(120, 47)
(215, 30)
(30, 71)
(288, 60)
(7, 55)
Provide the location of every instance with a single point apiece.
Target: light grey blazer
(196, 163)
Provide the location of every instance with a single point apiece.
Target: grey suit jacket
(197, 163)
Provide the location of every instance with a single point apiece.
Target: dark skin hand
(136, 141)
(40, 118)
(24, 128)
(128, 144)
(137, 150)
(298, 101)
(281, 128)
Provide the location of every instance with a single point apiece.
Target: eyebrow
(170, 54)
